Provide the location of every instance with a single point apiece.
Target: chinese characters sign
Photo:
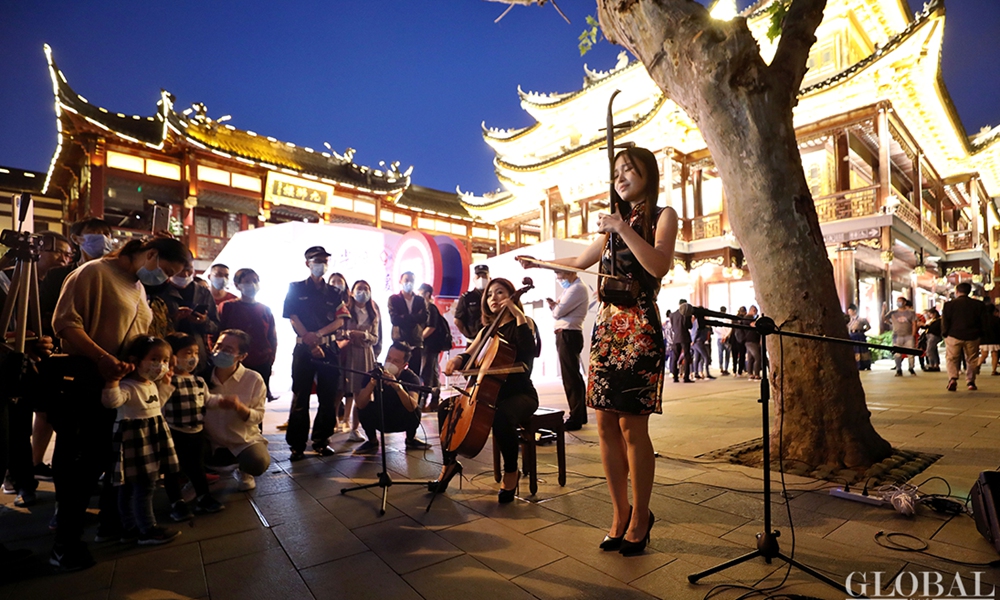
(298, 192)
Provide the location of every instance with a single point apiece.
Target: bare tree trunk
(743, 108)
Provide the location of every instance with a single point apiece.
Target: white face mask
(218, 283)
(249, 289)
(361, 296)
(481, 283)
(153, 371)
(180, 281)
(317, 269)
(392, 369)
(187, 366)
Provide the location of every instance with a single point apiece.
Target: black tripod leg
(827, 580)
(694, 577)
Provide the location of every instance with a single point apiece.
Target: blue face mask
(152, 277)
(95, 245)
(565, 283)
(223, 360)
(408, 287)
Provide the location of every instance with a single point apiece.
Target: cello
(469, 421)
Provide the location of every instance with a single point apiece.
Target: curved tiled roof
(931, 7)
(428, 199)
(561, 99)
(660, 100)
(224, 140)
(511, 134)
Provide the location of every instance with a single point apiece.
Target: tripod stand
(384, 480)
(22, 297)
(767, 540)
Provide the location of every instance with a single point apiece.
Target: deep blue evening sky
(407, 80)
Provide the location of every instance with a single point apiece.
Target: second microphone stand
(767, 540)
(384, 479)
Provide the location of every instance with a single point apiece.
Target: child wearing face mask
(143, 447)
(187, 396)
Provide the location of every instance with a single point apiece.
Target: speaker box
(986, 506)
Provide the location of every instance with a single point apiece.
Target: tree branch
(798, 34)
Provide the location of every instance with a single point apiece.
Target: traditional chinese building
(204, 180)
(904, 195)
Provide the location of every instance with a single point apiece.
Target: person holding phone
(191, 310)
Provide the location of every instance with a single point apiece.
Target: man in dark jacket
(408, 314)
(680, 323)
(468, 309)
(962, 323)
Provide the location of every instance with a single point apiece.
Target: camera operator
(401, 407)
(54, 251)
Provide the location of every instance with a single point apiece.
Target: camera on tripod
(22, 243)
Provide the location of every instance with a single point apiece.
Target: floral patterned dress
(627, 349)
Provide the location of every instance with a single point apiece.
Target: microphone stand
(767, 540)
(384, 480)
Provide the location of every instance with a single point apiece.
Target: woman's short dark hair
(487, 314)
(242, 336)
(179, 341)
(168, 249)
(238, 277)
(140, 346)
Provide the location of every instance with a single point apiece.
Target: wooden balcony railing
(959, 240)
(708, 226)
(908, 213)
(846, 205)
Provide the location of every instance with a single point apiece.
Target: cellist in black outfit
(516, 400)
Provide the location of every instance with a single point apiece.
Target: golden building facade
(904, 195)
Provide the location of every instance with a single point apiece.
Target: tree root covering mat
(900, 467)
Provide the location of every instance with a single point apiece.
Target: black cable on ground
(888, 540)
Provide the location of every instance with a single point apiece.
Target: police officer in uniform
(316, 311)
(468, 308)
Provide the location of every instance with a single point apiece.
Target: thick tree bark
(743, 108)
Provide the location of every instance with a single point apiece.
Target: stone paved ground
(296, 536)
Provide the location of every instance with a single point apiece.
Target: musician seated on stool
(401, 409)
(516, 400)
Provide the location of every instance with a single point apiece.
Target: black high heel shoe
(505, 496)
(438, 486)
(612, 544)
(632, 548)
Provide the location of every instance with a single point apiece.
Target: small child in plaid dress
(142, 444)
(187, 396)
